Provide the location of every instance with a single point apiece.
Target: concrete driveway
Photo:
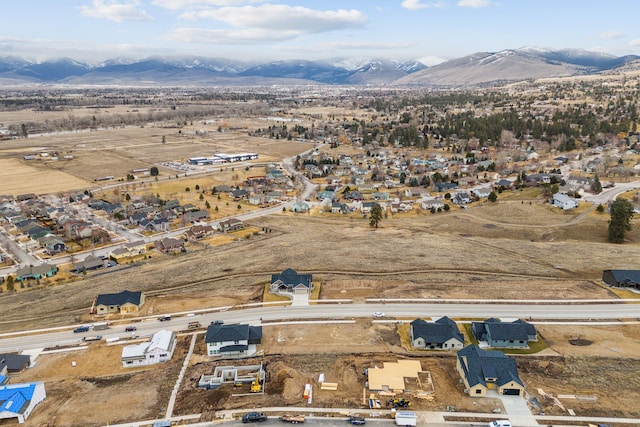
(518, 411)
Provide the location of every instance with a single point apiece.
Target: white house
(236, 340)
(427, 204)
(19, 400)
(564, 202)
(159, 349)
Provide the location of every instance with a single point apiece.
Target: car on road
(81, 329)
(254, 417)
(218, 322)
(130, 329)
(164, 318)
(356, 421)
(500, 423)
(378, 314)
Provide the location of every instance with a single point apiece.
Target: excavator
(256, 387)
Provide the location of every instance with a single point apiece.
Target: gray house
(622, 278)
(443, 334)
(497, 334)
(483, 370)
(290, 282)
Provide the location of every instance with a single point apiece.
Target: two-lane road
(611, 310)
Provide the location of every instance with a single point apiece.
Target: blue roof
(14, 397)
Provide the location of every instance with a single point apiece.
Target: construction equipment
(399, 403)
(256, 387)
(293, 419)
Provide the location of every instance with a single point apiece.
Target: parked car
(378, 314)
(130, 329)
(254, 417)
(81, 329)
(356, 421)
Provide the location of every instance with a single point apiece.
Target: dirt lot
(90, 393)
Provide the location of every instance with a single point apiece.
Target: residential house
(14, 363)
(137, 217)
(88, 264)
(290, 282)
(445, 186)
(497, 334)
(402, 206)
(137, 247)
(503, 183)
(169, 244)
(157, 350)
(461, 198)
(256, 198)
(338, 207)
(382, 195)
(232, 340)
(36, 272)
(443, 334)
(417, 192)
(198, 232)
(52, 244)
(195, 216)
(564, 202)
(300, 207)
(327, 195)
(622, 278)
(429, 204)
(230, 225)
(366, 207)
(484, 370)
(19, 400)
(123, 302)
(481, 193)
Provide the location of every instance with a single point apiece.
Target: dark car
(218, 322)
(130, 329)
(254, 417)
(164, 318)
(81, 329)
(356, 421)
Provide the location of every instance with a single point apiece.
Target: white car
(378, 314)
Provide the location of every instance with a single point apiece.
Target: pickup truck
(81, 329)
(93, 338)
(194, 325)
(293, 419)
(254, 417)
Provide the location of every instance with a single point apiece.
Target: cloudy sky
(432, 30)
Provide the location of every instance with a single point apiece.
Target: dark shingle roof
(507, 331)
(15, 362)
(442, 330)
(290, 277)
(119, 298)
(232, 332)
(624, 277)
(480, 362)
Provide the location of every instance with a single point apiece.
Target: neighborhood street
(613, 309)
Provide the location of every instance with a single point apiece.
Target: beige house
(122, 303)
(483, 371)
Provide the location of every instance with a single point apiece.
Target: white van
(500, 423)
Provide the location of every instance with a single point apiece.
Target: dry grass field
(19, 177)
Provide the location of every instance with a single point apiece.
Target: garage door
(511, 391)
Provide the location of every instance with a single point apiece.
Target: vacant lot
(98, 390)
(20, 177)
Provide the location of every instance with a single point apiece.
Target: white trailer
(406, 418)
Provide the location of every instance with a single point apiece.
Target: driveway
(518, 411)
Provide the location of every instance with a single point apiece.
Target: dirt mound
(580, 342)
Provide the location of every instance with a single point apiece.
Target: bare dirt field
(115, 392)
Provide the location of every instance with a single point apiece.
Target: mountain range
(477, 69)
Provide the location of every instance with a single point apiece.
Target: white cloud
(474, 3)
(287, 18)
(418, 4)
(430, 61)
(188, 4)
(634, 43)
(611, 35)
(118, 12)
(269, 22)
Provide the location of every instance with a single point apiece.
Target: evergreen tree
(621, 212)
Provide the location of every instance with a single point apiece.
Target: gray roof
(232, 332)
(119, 298)
(439, 331)
(476, 363)
(623, 277)
(290, 277)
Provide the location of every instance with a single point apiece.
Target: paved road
(613, 310)
(609, 194)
